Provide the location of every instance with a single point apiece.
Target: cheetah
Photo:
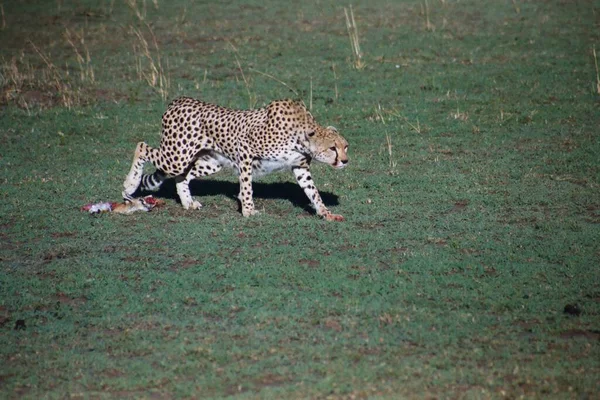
(199, 139)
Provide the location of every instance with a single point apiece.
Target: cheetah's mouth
(338, 165)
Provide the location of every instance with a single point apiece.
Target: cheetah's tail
(153, 181)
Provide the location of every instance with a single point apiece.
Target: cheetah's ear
(333, 128)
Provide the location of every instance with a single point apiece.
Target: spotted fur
(199, 139)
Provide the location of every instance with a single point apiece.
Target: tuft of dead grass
(43, 84)
(392, 164)
(149, 63)
(82, 54)
(425, 11)
(354, 41)
(52, 78)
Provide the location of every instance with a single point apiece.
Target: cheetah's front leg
(134, 177)
(305, 181)
(245, 196)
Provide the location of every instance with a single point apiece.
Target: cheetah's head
(328, 146)
(324, 144)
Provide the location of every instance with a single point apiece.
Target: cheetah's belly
(259, 167)
(265, 167)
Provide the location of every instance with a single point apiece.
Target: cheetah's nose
(344, 161)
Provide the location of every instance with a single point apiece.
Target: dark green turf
(449, 277)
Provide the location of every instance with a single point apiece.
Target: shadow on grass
(278, 190)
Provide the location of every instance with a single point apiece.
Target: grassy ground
(472, 203)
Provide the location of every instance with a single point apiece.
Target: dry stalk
(392, 163)
(597, 73)
(462, 116)
(141, 15)
(251, 96)
(353, 35)
(517, 8)
(182, 18)
(428, 25)
(311, 96)
(334, 81)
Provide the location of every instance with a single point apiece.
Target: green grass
(462, 244)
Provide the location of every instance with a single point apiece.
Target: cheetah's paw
(247, 213)
(194, 205)
(333, 217)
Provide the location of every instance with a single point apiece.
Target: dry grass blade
(517, 8)
(597, 72)
(353, 35)
(425, 10)
(416, 126)
(251, 97)
(311, 95)
(141, 15)
(276, 80)
(335, 81)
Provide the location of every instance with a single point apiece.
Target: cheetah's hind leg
(143, 154)
(203, 166)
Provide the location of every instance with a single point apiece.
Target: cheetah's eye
(332, 148)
